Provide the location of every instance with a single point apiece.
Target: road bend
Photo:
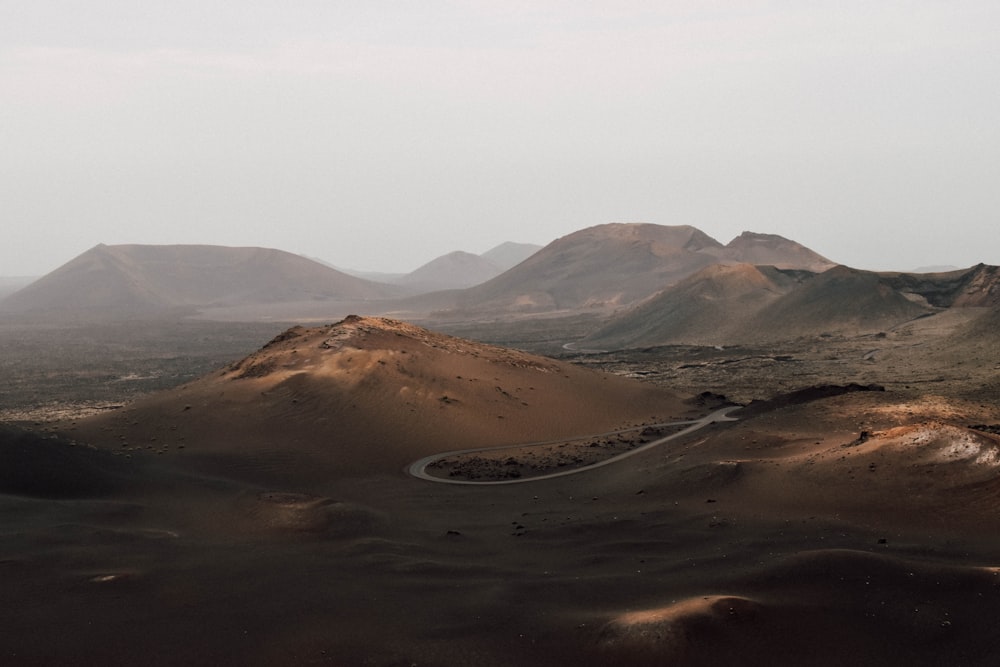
(418, 469)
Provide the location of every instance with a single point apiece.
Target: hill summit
(455, 270)
(371, 395)
(142, 280)
(618, 264)
(776, 251)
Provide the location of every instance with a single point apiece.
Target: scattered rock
(861, 439)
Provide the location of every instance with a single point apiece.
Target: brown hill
(774, 250)
(615, 265)
(455, 270)
(139, 280)
(842, 300)
(604, 266)
(507, 255)
(711, 307)
(746, 304)
(369, 395)
(916, 462)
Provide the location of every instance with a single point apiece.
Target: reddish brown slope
(607, 265)
(455, 270)
(372, 395)
(842, 301)
(774, 250)
(619, 264)
(130, 280)
(710, 307)
(741, 304)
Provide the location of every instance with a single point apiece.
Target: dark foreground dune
(833, 528)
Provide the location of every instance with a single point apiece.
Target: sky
(378, 135)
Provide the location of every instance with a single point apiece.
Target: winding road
(418, 469)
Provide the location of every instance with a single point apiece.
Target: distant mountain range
(651, 285)
(724, 305)
(452, 271)
(601, 267)
(456, 270)
(614, 265)
(144, 280)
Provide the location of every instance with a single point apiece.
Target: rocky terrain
(805, 471)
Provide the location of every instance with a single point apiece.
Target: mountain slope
(977, 286)
(11, 284)
(136, 280)
(774, 250)
(603, 266)
(370, 395)
(741, 304)
(508, 255)
(711, 307)
(619, 264)
(452, 271)
(841, 300)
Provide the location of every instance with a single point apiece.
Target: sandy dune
(370, 395)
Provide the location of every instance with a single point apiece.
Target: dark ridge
(806, 395)
(709, 399)
(288, 334)
(976, 286)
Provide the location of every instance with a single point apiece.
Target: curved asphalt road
(418, 469)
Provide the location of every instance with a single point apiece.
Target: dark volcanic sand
(786, 538)
(695, 555)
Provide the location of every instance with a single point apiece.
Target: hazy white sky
(378, 135)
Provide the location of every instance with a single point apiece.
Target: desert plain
(786, 537)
